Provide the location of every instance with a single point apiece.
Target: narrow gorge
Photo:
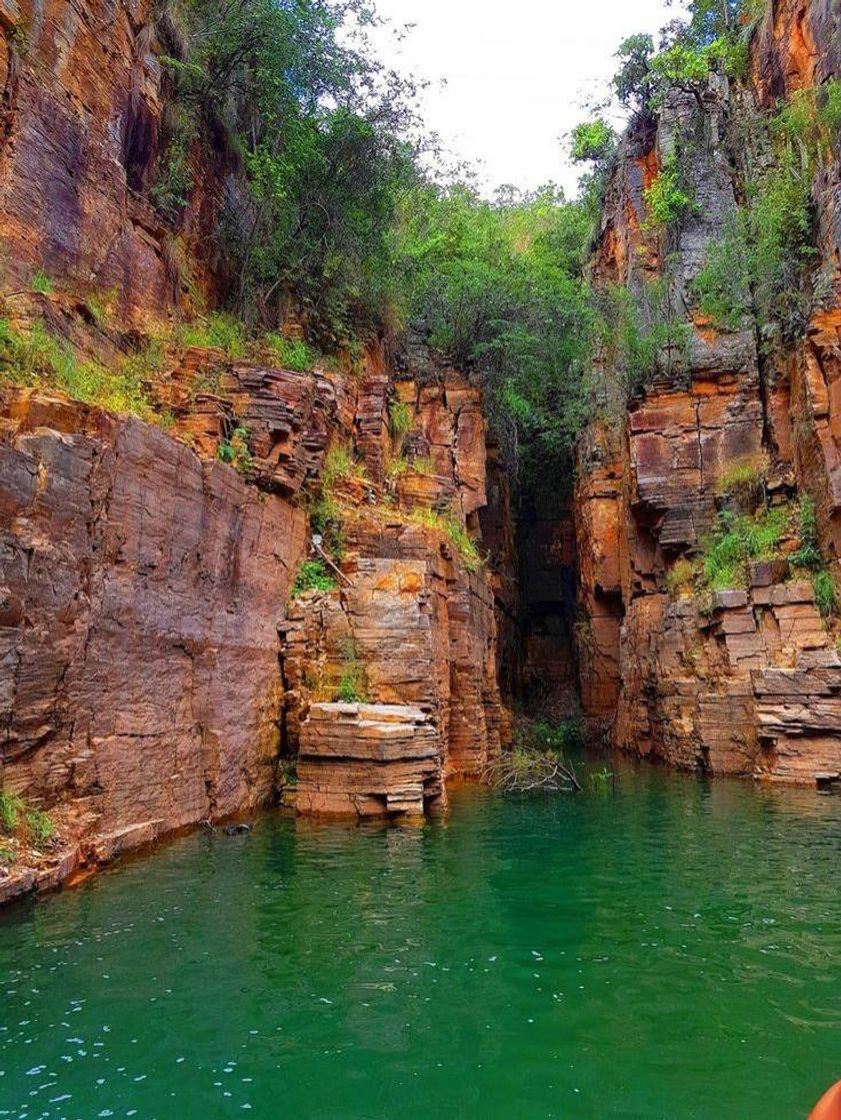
(330, 571)
(420, 603)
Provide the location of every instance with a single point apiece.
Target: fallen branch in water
(523, 770)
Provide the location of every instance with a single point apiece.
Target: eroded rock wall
(745, 683)
(155, 672)
(141, 592)
(408, 638)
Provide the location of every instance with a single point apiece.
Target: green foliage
(39, 359)
(224, 332)
(767, 255)
(326, 520)
(400, 420)
(632, 82)
(680, 577)
(235, 451)
(174, 174)
(11, 810)
(39, 826)
(688, 61)
(100, 305)
(18, 818)
(351, 688)
(681, 65)
(339, 464)
(291, 353)
(499, 286)
(667, 198)
(640, 335)
(464, 545)
(592, 141)
(737, 539)
(313, 575)
(808, 555)
(745, 479)
(327, 138)
(722, 287)
(42, 283)
(825, 590)
(562, 737)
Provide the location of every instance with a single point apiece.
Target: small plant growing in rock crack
(351, 687)
(42, 283)
(825, 590)
(313, 575)
(235, 451)
(399, 421)
(19, 819)
(680, 577)
(666, 198)
(288, 771)
(745, 480)
(808, 555)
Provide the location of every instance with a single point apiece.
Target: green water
(671, 951)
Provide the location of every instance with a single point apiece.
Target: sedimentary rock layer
(141, 589)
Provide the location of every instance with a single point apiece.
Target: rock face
(369, 760)
(150, 668)
(141, 593)
(78, 147)
(410, 627)
(746, 684)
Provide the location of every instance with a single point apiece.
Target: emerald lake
(667, 950)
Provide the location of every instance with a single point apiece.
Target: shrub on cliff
(499, 287)
(294, 95)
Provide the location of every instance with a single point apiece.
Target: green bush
(292, 353)
(235, 451)
(737, 539)
(667, 198)
(313, 575)
(39, 826)
(18, 818)
(11, 810)
(592, 141)
(40, 359)
(499, 285)
(224, 332)
(808, 555)
(722, 287)
(339, 464)
(42, 283)
(400, 420)
(826, 592)
(351, 687)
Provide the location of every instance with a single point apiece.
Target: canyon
(160, 666)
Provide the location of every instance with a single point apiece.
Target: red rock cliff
(749, 683)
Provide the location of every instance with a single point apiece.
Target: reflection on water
(668, 951)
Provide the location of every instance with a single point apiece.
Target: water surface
(673, 950)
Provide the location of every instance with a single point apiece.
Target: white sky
(516, 74)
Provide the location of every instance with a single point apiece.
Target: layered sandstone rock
(748, 683)
(78, 147)
(411, 629)
(140, 599)
(369, 760)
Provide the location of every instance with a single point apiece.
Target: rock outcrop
(154, 667)
(745, 683)
(140, 594)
